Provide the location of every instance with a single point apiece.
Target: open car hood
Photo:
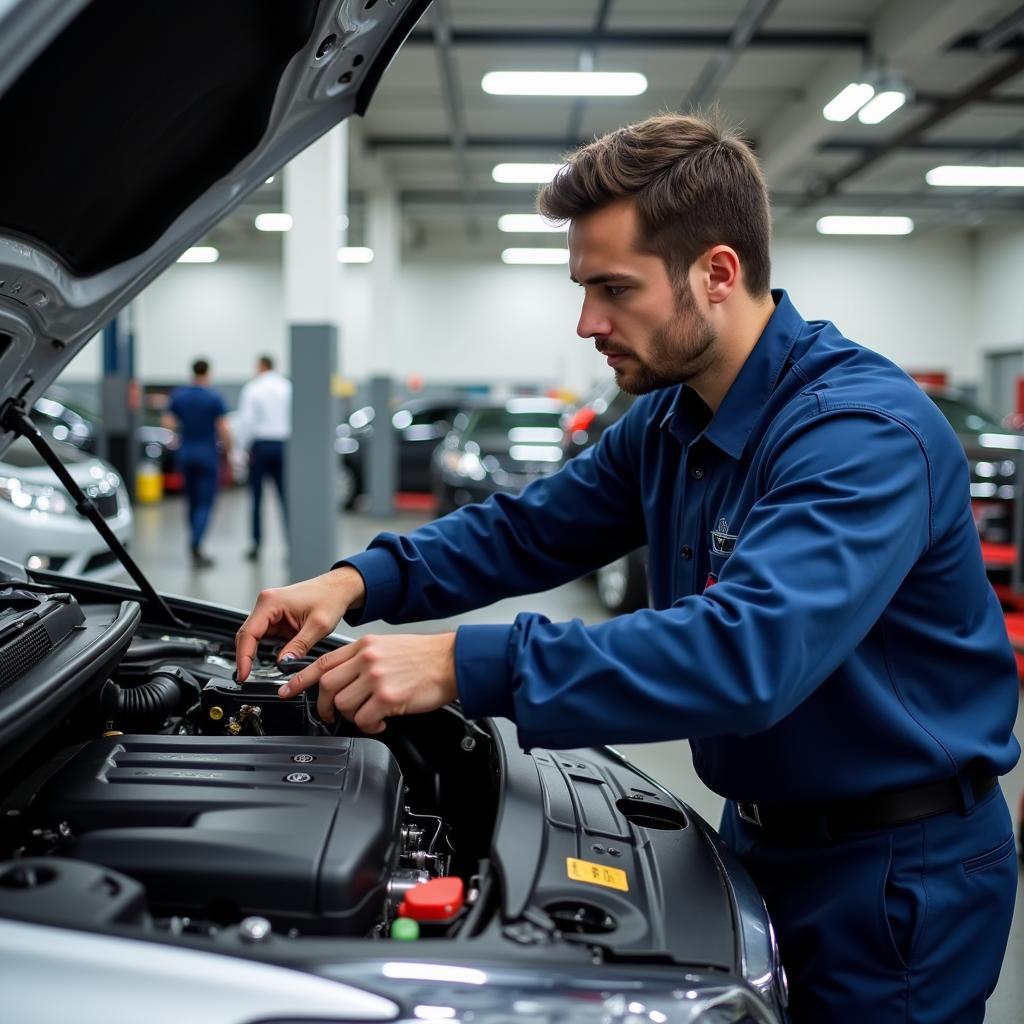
(132, 128)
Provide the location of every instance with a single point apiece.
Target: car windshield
(503, 421)
(965, 418)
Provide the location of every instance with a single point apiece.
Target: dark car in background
(497, 447)
(418, 423)
(992, 450)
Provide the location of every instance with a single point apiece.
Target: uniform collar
(744, 402)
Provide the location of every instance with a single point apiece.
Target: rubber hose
(151, 650)
(151, 701)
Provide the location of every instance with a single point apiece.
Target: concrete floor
(161, 549)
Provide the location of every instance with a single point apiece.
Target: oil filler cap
(440, 899)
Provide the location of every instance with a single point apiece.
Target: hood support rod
(14, 418)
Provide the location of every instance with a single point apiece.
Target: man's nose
(593, 321)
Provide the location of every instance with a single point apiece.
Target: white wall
(919, 300)
(999, 290)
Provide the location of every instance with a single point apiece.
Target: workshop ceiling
(433, 135)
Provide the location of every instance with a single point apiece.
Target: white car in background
(40, 527)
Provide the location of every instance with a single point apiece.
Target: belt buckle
(749, 812)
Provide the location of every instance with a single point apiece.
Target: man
(198, 413)
(265, 416)
(820, 627)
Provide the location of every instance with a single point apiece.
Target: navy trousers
(201, 470)
(905, 925)
(266, 459)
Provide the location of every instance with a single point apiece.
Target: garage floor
(161, 549)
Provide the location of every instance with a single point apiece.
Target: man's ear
(719, 272)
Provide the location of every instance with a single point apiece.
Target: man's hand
(303, 613)
(379, 677)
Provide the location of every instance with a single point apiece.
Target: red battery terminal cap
(436, 900)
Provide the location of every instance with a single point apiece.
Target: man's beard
(679, 350)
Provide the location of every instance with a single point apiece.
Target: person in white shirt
(264, 423)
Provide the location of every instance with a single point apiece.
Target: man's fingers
(331, 684)
(370, 717)
(313, 673)
(314, 629)
(351, 698)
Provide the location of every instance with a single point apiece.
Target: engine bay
(176, 799)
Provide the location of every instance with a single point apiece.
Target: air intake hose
(165, 691)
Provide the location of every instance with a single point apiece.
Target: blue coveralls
(850, 644)
(197, 410)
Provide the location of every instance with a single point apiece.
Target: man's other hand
(303, 614)
(379, 677)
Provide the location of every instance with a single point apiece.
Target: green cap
(405, 929)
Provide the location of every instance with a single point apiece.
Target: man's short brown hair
(695, 184)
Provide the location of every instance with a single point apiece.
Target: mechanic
(820, 629)
(198, 413)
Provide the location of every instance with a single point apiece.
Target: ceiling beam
(938, 146)
(695, 39)
(714, 73)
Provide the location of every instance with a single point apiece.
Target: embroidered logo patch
(722, 541)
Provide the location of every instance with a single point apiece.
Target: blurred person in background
(264, 424)
(198, 413)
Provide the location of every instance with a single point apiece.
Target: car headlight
(35, 497)
(466, 464)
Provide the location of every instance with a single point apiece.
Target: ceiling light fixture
(200, 254)
(864, 226)
(525, 174)
(355, 254)
(977, 176)
(564, 83)
(523, 257)
(881, 105)
(274, 222)
(529, 222)
(847, 102)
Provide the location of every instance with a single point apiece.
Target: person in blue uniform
(820, 626)
(198, 413)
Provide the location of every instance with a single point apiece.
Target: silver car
(176, 847)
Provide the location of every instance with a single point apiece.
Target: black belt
(868, 814)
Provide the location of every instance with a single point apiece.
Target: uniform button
(686, 552)
(697, 472)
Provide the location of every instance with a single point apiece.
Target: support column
(315, 190)
(119, 397)
(384, 236)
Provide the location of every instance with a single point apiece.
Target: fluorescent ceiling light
(954, 175)
(525, 174)
(881, 105)
(269, 180)
(273, 222)
(865, 226)
(564, 83)
(844, 105)
(525, 256)
(199, 254)
(528, 222)
(355, 254)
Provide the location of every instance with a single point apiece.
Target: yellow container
(149, 484)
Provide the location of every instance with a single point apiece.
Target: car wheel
(348, 486)
(621, 585)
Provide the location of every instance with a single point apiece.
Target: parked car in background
(992, 450)
(40, 527)
(499, 447)
(418, 423)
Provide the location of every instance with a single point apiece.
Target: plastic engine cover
(302, 830)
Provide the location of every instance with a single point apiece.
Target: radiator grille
(18, 656)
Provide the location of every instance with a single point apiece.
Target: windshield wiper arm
(14, 418)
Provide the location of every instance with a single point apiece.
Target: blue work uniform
(197, 410)
(820, 628)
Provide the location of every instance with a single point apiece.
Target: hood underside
(132, 128)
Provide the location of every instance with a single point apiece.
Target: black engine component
(147, 705)
(304, 831)
(223, 700)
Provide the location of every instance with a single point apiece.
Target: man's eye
(615, 290)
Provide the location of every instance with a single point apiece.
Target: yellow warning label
(596, 874)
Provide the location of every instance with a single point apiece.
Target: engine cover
(302, 830)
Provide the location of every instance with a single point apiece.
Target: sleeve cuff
(482, 670)
(383, 583)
